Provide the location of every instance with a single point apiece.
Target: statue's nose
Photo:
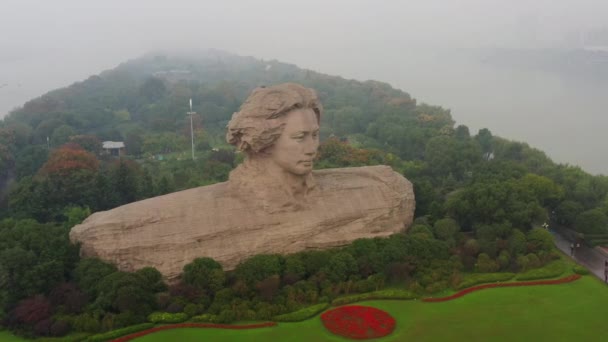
(311, 149)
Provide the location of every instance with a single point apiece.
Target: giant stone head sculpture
(280, 125)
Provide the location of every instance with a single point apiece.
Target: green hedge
(482, 278)
(301, 314)
(382, 294)
(110, 335)
(204, 318)
(551, 270)
(598, 242)
(578, 269)
(167, 317)
(72, 337)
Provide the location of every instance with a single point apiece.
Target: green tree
(62, 134)
(153, 89)
(446, 229)
(205, 274)
(259, 267)
(124, 292)
(152, 279)
(485, 140)
(421, 230)
(89, 272)
(124, 178)
(546, 191)
(340, 266)
(517, 242)
(592, 221)
(485, 264)
(134, 142)
(30, 160)
(567, 211)
(540, 239)
(294, 268)
(89, 143)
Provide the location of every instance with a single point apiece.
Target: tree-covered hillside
(479, 197)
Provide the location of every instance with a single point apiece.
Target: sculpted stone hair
(260, 121)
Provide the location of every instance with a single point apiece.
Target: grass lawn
(7, 336)
(566, 312)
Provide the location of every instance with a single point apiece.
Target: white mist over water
(421, 46)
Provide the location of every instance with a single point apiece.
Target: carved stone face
(297, 146)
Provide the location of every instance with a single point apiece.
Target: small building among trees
(114, 148)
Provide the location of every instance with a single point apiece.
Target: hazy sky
(49, 44)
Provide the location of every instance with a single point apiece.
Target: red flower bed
(488, 286)
(358, 322)
(193, 325)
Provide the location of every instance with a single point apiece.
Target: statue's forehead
(302, 119)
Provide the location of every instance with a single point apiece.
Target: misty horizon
(432, 50)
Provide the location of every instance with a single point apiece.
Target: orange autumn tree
(67, 159)
(336, 153)
(66, 180)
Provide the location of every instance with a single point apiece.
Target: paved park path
(584, 255)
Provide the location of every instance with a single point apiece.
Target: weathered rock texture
(216, 221)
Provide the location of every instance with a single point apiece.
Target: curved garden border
(459, 294)
(193, 325)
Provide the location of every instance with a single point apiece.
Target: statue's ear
(243, 146)
(265, 151)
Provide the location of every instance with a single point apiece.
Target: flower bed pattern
(488, 286)
(193, 325)
(358, 322)
(353, 321)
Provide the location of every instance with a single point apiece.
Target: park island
(272, 203)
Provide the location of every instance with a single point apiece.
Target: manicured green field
(7, 336)
(566, 312)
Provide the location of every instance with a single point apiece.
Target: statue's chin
(304, 172)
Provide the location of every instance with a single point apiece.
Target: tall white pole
(191, 113)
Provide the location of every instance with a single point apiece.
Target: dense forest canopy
(479, 197)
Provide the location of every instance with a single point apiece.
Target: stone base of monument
(168, 232)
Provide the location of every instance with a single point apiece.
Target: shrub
(382, 294)
(551, 270)
(522, 262)
(578, 269)
(415, 287)
(533, 261)
(259, 267)
(60, 328)
(205, 318)
(485, 264)
(226, 316)
(504, 260)
(175, 307)
(540, 239)
(86, 323)
(110, 335)
(43, 328)
(167, 317)
(126, 319)
(191, 310)
(204, 274)
(435, 287)
(481, 278)
(32, 310)
(302, 314)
